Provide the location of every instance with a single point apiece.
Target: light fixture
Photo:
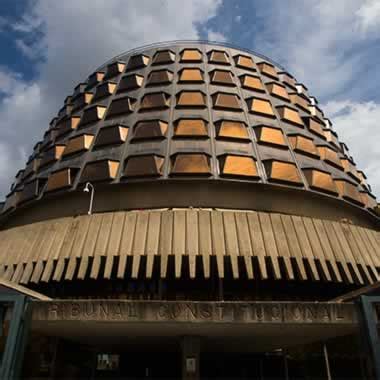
(86, 189)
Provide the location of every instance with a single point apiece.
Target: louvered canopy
(99, 246)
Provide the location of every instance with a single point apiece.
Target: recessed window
(191, 75)
(252, 82)
(120, 106)
(290, 115)
(143, 166)
(191, 164)
(95, 78)
(368, 200)
(115, 69)
(32, 190)
(282, 172)
(104, 90)
(150, 129)
(137, 61)
(244, 62)
(78, 144)
(159, 77)
(238, 166)
(112, 135)
(31, 167)
(314, 126)
(222, 77)
(218, 57)
(52, 155)
(278, 90)
(332, 138)
(300, 101)
(82, 100)
(92, 115)
(103, 170)
(191, 55)
(350, 169)
(348, 190)
(231, 130)
(268, 69)
(65, 110)
(190, 128)
(163, 56)
(261, 107)
(225, 101)
(270, 135)
(130, 82)
(304, 145)
(302, 90)
(330, 156)
(79, 89)
(61, 179)
(316, 112)
(287, 79)
(191, 99)
(155, 101)
(320, 180)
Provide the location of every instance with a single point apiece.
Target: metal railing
(184, 42)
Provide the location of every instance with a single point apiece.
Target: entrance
(138, 365)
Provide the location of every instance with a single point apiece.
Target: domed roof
(211, 125)
(204, 158)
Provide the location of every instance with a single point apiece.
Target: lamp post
(87, 188)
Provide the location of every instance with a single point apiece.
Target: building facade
(191, 213)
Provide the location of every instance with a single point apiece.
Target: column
(190, 357)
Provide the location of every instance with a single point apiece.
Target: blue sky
(47, 47)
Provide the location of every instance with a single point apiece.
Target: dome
(197, 152)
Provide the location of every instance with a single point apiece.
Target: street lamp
(87, 190)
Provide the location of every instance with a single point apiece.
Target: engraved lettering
(89, 309)
(163, 312)
(297, 313)
(53, 311)
(104, 310)
(191, 311)
(325, 313)
(258, 313)
(75, 310)
(117, 313)
(311, 313)
(205, 311)
(275, 313)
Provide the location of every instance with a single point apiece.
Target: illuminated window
(261, 107)
(190, 128)
(231, 130)
(191, 164)
(237, 166)
(270, 135)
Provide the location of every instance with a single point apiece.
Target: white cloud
(73, 38)
(369, 15)
(238, 18)
(358, 126)
(330, 46)
(324, 47)
(216, 36)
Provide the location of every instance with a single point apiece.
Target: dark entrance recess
(141, 365)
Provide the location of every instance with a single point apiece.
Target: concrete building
(190, 213)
